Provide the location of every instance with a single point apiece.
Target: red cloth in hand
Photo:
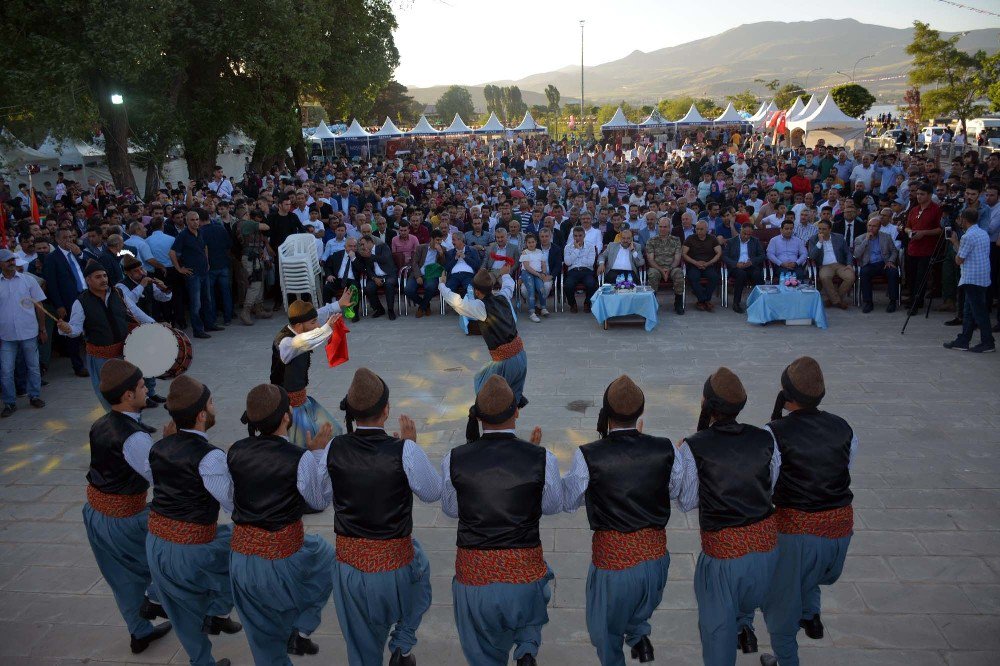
(336, 346)
(499, 257)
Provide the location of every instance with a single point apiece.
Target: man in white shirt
(863, 173)
(22, 329)
(301, 210)
(220, 184)
(591, 234)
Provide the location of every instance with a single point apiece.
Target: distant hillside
(430, 95)
(729, 62)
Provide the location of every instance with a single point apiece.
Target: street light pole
(849, 79)
(581, 74)
(855, 68)
(814, 69)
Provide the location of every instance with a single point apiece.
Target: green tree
(707, 107)
(512, 106)
(393, 102)
(455, 99)
(786, 94)
(552, 96)
(954, 75)
(674, 109)
(989, 80)
(853, 99)
(607, 112)
(493, 103)
(744, 101)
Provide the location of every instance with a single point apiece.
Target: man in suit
(426, 269)
(460, 263)
(744, 257)
(877, 255)
(380, 271)
(63, 273)
(829, 252)
(343, 269)
(621, 258)
(501, 251)
(98, 251)
(343, 200)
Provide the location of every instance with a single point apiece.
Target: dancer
(101, 315)
(498, 486)
(813, 511)
(115, 515)
(498, 324)
(291, 355)
(280, 576)
(733, 467)
(627, 480)
(187, 550)
(381, 582)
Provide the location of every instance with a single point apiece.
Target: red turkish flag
(36, 217)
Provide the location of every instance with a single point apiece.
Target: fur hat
(92, 267)
(117, 377)
(723, 394)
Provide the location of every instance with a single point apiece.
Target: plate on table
(769, 289)
(808, 290)
(643, 288)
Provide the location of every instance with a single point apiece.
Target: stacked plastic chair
(301, 272)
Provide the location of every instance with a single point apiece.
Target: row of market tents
(423, 128)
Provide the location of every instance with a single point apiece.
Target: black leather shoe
(150, 610)
(223, 662)
(392, 315)
(300, 645)
(957, 321)
(202, 336)
(140, 644)
(768, 660)
(738, 309)
(527, 660)
(378, 313)
(37, 403)
(220, 625)
(643, 650)
(746, 640)
(891, 307)
(83, 372)
(398, 659)
(213, 329)
(8, 410)
(868, 307)
(813, 627)
(157, 398)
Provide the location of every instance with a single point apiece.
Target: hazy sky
(473, 41)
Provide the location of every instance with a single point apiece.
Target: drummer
(102, 318)
(143, 291)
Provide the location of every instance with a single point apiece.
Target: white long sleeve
(473, 308)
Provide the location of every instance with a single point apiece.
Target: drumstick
(26, 301)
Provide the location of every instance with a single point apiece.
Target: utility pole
(581, 76)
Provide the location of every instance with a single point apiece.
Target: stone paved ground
(922, 582)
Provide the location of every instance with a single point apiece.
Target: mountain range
(728, 63)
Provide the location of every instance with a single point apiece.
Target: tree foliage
(394, 102)
(951, 79)
(785, 95)
(744, 101)
(455, 99)
(191, 71)
(607, 112)
(853, 99)
(677, 108)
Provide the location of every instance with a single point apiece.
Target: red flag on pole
(35, 215)
(336, 346)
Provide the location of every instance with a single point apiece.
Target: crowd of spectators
(555, 212)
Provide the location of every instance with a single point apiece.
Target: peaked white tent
(322, 132)
(795, 109)
(730, 115)
(693, 117)
(829, 123)
(457, 126)
(806, 111)
(759, 112)
(529, 124)
(388, 129)
(760, 118)
(492, 126)
(423, 128)
(655, 121)
(355, 131)
(618, 122)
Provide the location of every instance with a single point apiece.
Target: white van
(937, 132)
(989, 125)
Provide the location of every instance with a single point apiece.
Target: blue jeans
(199, 295)
(459, 282)
(430, 291)
(9, 351)
(221, 278)
(535, 286)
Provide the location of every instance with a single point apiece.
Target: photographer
(973, 256)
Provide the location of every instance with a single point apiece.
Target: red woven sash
(115, 506)
(831, 524)
(375, 555)
(108, 351)
(514, 565)
(297, 398)
(178, 531)
(621, 550)
(507, 350)
(250, 540)
(733, 542)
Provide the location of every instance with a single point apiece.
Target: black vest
(629, 487)
(499, 327)
(499, 480)
(104, 325)
(815, 451)
(145, 302)
(734, 475)
(109, 472)
(265, 473)
(372, 496)
(178, 489)
(293, 376)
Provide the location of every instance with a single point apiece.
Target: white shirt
(534, 259)
(502, 251)
(223, 188)
(744, 252)
(863, 174)
(772, 220)
(593, 237)
(460, 265)
(302, 343)
(346, 269)
(74, 266)
(829, 256)
(623, 260)
(303, 215)
(18, 320)
(76, 316)
(579, 257)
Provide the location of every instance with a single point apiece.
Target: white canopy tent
(618, 122)
(423, 128)
(795, 109)
(760, 118)
(322, 132)
(69, 151)
(829, 123)
(457, 126)
(355, 131)
(655, 121)
(693, 117)
(529, 124)
(759, 112)
(492, 126)
(730, 115)
(808, 109)
(388, 129)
